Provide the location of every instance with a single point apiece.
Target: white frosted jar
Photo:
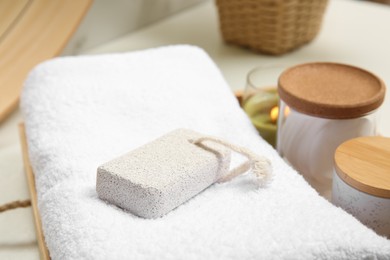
(361, 181)
(308, 143)
(322, 105)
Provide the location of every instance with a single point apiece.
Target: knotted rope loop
(260, 165)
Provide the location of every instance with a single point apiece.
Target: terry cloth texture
(83, 111)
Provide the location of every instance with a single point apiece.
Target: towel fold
(83, 111)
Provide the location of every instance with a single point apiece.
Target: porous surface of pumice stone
(161, 175)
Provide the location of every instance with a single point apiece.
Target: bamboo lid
(364, 163)
(331, 90)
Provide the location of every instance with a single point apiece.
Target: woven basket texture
(270, 26)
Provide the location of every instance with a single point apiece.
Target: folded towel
(83, 111)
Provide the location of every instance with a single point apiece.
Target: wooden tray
(44, 252)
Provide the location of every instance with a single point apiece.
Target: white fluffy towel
(83, 111)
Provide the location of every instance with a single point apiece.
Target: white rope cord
(260, 165)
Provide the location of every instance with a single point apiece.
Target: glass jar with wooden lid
(322, 105)
(361, 181)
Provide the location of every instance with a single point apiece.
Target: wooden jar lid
(364, 163)
(331, 90)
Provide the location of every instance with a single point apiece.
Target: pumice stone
(163, 174)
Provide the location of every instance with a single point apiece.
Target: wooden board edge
(44, 252)
(13, 96)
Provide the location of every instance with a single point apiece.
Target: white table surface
(353, 32)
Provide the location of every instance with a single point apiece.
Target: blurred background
(107, 20)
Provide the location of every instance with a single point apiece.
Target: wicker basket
(270, 26)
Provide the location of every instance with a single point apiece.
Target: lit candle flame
(274, 114)
(286, 111)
